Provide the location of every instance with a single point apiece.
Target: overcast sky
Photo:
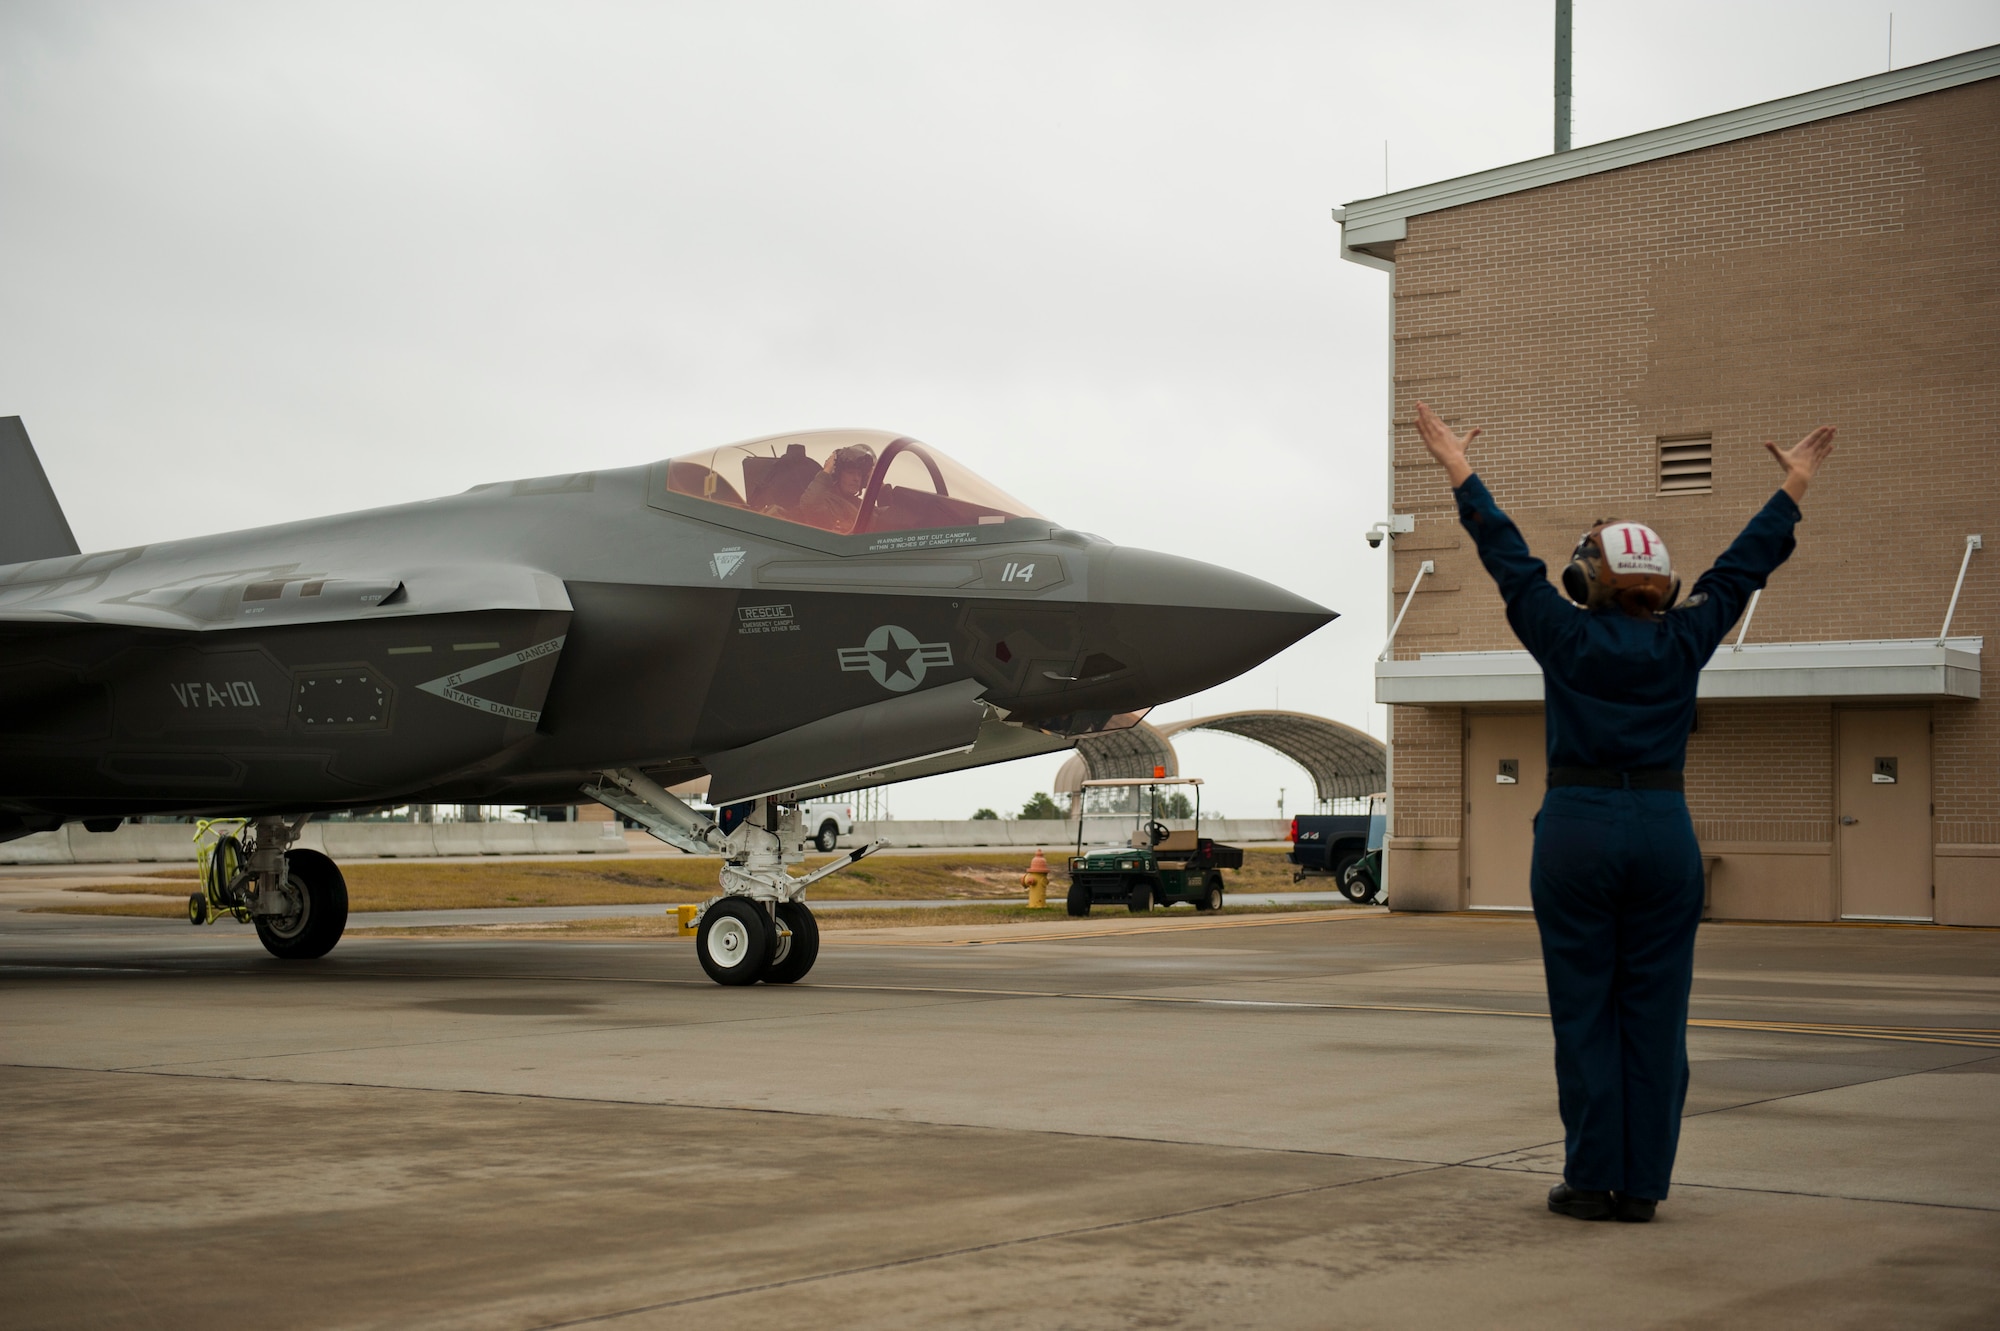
(264, 261)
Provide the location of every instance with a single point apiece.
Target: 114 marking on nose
(1018, 573)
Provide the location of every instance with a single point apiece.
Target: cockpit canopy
(847, 482)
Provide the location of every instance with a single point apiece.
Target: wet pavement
(1340, 1118)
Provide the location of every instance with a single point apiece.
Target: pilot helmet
(1623, 564)
(854, 457)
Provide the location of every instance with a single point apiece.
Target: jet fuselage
(506, 644)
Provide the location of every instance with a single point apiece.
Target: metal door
(1506, 770)
(1883, 814)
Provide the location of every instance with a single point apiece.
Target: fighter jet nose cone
(1125, 576)
(1192, 625)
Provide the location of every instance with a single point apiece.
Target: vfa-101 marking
(197, 693)
(791, 617)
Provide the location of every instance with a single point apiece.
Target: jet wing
(998, 741)
(919, 734)
(124, 588)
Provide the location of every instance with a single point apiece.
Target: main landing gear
(297, 899)
(759, 928)
(738, 943)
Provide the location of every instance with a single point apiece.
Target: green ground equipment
(1156, 866)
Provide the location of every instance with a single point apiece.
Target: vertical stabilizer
(32, 525)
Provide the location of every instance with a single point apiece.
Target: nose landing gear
(760, 927)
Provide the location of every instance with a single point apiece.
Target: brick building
(1628, 321)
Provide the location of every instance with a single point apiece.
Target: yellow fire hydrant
(1036, 880)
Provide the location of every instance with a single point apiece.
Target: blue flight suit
(1617, 880)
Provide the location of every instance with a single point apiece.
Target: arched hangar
(1343, 762)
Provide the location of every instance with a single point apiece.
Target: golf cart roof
(1146, 781)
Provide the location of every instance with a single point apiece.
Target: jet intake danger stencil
(446, 686)
(895, 659)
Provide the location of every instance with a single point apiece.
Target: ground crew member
(1616, 878)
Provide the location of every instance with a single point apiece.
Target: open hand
(1801, 462)
(1446, 447)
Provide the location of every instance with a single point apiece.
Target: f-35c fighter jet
(792, 616)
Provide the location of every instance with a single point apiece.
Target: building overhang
(1915, 669)
(1371, 228)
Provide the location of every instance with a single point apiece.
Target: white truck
(826, 824)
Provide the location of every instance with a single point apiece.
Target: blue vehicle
(1346, 847)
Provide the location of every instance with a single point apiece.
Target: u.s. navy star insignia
(894, 657)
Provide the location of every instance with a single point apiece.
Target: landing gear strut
(759, 928)
(297, 899)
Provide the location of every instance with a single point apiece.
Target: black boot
(1579, 1204)
(1635, 1210)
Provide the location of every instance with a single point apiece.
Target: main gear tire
(309, 932)
(1079, 899)
(792, 956)
(734, 941)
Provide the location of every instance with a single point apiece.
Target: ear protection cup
(1580, 580)
(1576, 582)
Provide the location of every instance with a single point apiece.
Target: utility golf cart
(1156, 866)
(1361, 878)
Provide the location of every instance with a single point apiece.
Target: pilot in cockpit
(832, 502)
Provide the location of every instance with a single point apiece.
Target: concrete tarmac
(1344, 1118)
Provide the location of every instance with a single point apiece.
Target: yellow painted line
(1969, 1037)
(1526, 916)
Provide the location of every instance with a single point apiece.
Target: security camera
(1398, 524)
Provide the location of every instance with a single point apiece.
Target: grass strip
(652, 880)
(888, 917)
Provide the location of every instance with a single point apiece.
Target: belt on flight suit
(1612, 778)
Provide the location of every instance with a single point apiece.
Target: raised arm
(1535, 609)
(1447, 448)
(1801, 462)
(1722, 592)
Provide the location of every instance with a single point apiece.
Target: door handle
(1848, 821)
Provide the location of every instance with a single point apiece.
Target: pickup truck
(1334, 843)
(825, 824)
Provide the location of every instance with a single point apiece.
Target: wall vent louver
(1687, 464)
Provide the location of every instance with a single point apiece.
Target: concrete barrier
(1029, 833)
(173, 843)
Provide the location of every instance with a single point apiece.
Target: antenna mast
(1562, 75)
